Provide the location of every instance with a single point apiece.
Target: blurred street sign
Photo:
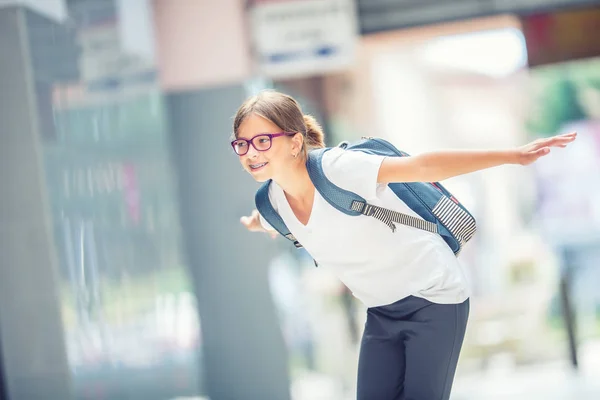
(383, 15)
(292, 38)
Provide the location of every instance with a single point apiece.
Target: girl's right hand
(252, 223)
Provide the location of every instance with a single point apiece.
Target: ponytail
(314, 133)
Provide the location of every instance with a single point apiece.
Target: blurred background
(125, 274)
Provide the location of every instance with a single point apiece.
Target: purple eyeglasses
(261, 142)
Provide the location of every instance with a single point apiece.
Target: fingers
(245, 221)
(570, 135)
(541, 147)
(248, 221)
(556, 141)
(565, 137)
(543, 151)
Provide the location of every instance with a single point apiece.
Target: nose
(252, 152)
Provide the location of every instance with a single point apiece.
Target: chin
(259, 177)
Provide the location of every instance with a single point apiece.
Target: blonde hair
(285, 112)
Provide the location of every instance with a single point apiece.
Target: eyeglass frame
(251, 141)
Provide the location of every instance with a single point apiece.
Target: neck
(297, 184)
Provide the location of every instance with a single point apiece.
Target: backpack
(440, 211)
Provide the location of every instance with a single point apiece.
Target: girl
(411, 282)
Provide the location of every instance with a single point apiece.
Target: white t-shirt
(379, 266)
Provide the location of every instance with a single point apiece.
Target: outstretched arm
(440, 165)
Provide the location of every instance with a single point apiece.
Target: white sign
(293, 38)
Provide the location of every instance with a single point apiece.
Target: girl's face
(265, 151)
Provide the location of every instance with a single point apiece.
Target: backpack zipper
(435, 185)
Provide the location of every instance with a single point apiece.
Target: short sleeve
(355, 171)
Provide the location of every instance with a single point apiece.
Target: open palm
(538, 148)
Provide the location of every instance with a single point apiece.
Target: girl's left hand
(538, 148)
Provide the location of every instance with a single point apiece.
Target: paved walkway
(553, 381)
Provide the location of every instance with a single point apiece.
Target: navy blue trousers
(410, 349)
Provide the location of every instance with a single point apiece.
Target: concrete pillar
(31, 338)
(243, 347)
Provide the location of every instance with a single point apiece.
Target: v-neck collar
(290, 211)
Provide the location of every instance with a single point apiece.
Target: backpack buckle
(358, 206)
(293, 239)
(344, 144)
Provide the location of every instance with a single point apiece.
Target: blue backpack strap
(352, 204)
(341, 199)
(266, 210)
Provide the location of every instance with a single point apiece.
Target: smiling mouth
(255, 167)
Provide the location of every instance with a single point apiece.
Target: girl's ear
(297, 143)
